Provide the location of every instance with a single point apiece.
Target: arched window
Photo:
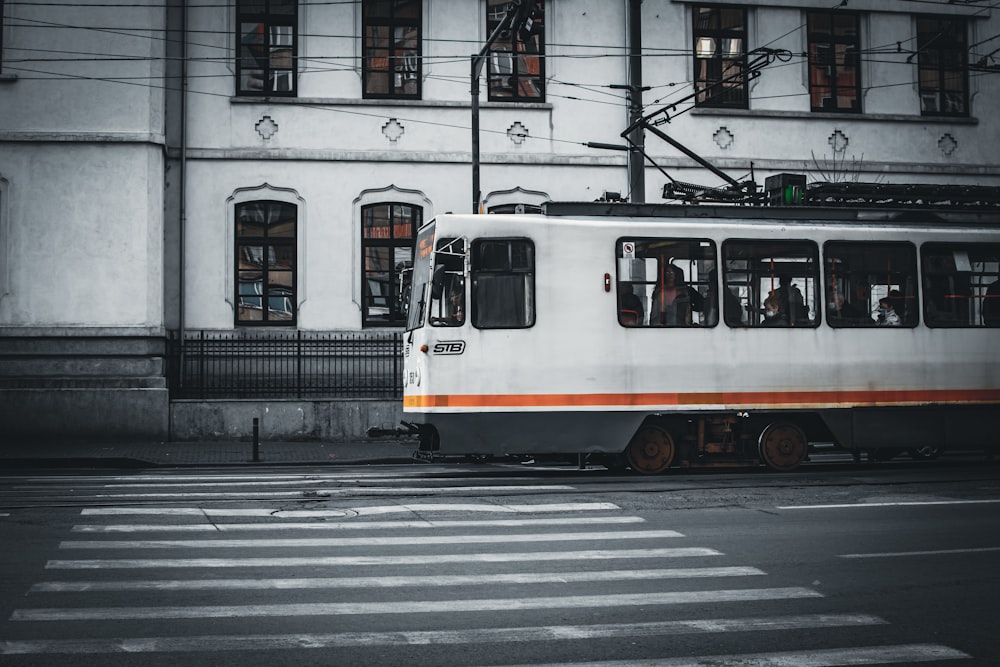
(265, 263)
(388, 231)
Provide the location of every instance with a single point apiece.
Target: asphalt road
(501, 565)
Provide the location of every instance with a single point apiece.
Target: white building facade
(255, 170)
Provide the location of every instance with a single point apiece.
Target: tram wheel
(783, 446)
(651, 451)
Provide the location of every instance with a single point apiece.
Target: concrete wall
(331, 420)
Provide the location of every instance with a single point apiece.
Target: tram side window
(503, 283)
(667, 282)
(961, 284)
(448, 284)
(770, 283)
(870, 284)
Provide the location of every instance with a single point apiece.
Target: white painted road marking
(937, 552)
(371, 541)
(355, 491)
(314, 583)
(354, 511)
(411, 559)
(905, 503)
(228, 644)
(349, 525)
(411, 607)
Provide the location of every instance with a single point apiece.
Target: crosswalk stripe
(870, 655)
(409, 472)
(370, 541)
(193, 482)
(410, 559)
(315, 583)
(358, 490)
(354, 511)
(411, 607)
(348, 526)
(433, 637)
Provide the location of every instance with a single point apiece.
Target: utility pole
(636, 164)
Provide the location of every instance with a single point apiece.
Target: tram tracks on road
(677, 489)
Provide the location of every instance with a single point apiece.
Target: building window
(667, 283)
(391, 66)
(942, 53)
(387, 234)
(265, 263)
(266, 33)
(503, 284)
(870, 284)
(770, 283)
(720, 56)
(516, 63)
(961, 284)
(834, 63)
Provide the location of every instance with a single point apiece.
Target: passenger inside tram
(887, 313)
(671, 301)
(850, 313)
(773, 317)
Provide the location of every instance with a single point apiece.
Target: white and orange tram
(680, 335)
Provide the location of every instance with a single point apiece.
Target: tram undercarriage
(779, 440)
(717, 441)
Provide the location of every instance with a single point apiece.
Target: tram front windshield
(421, 278)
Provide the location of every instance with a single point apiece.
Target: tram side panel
(577, 380)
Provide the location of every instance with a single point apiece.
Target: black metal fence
(285, 364)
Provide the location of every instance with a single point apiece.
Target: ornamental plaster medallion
(838, 141)
(517, 133)
(947, 144)
(266, 128)
(723, 137)
(393, 130)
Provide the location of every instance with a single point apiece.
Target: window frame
(715, 65)
(268, 20)
(907, 276)
(932, 57)
(396, 313)
(828, 37)
(508, 44)
(983, 292)
(475, 273)
(701, 301)
(267, 243)
(754, 293)
(394, 53)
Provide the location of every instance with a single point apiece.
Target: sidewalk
(28, 452)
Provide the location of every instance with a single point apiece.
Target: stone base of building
(281, 419)
(83, 382)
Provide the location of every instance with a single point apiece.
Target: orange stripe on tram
(738, 398)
